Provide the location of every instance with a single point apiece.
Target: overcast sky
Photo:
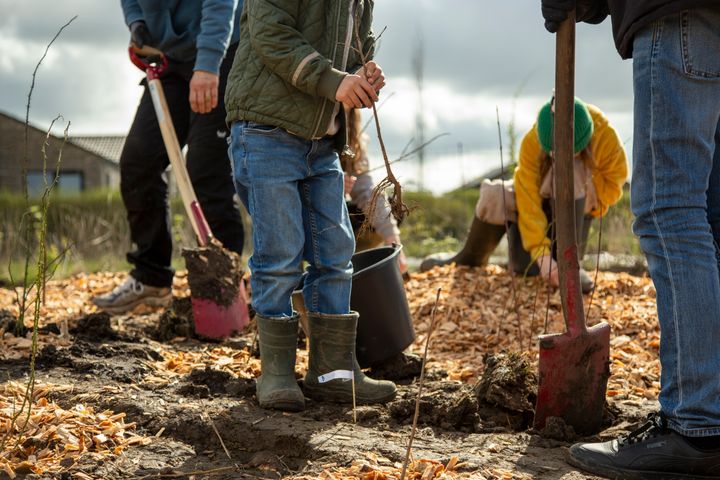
(477, 55)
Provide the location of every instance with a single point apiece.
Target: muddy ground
(109, 359)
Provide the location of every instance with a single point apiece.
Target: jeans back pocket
(700, 35)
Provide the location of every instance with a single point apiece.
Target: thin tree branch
(420, 385)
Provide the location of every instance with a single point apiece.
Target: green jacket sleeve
(284, 50)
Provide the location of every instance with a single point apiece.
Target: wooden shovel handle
(563, 149)
(187, 193)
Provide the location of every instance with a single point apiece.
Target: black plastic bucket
(378, 295)
(385, 327)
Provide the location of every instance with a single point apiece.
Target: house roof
(108, 147)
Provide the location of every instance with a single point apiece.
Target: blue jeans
(293, 189)
(676, 201)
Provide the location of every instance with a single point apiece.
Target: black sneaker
(653, 451)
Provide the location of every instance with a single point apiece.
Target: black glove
(139, 34)
(589, 11)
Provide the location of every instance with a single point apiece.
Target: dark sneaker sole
(623, 474)
(152, 301)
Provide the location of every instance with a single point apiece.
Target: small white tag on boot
(335, 374)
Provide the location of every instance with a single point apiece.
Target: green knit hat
(583, 126)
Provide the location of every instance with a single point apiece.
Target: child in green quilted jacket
(299, 64)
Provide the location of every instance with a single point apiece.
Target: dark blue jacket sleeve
(216, 28)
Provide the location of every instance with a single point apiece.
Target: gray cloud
(473, 49)
(84, 71)
(99, 25)
(492, 46)
(495, 49)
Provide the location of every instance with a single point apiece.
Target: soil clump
(214, 273)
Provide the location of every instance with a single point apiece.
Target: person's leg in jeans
(209, 168)
(294, 195)
(268, 166)
(143, 187)
(677, 111)
(294, 190)
(329, 238)
(329, 245)
(714, 197)
(675, 200)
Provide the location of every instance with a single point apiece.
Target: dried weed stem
(420, 385)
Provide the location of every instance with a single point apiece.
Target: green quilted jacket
(292, 56)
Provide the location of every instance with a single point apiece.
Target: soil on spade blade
(214, 273)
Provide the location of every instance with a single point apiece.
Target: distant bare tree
(418, 65)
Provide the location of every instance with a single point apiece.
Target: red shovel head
(213, 320)
(218, 292)
(574, 370)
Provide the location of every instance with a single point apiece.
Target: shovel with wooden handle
(574, 366)
(211, 318)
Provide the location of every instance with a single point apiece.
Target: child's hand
(374, 75)
(355, 92)
(549, 270)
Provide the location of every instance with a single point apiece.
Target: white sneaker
(132, 293)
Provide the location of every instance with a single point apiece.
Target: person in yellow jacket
(600, 170)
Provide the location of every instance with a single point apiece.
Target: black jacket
(629, 16)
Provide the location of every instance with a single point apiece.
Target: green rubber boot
(332, 348)
(482, 239)
(277, 387)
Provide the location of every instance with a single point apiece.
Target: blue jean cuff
(693, 432)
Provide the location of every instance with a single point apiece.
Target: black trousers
(144, 188)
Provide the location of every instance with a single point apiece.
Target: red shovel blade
(574, 371)
(220, 321)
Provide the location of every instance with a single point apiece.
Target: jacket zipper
(346, 50)
(316, 134)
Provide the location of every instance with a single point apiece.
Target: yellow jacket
(609, 173)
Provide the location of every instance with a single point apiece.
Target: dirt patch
(52, 356)
(190, 397)
(176, 321)
(209, 382)
(507, 390)
(401, 367)
(95, 328)
(8, 322)
(556, 428)
(214, 273)
(187, 416)
(501, 401)
(448, 405)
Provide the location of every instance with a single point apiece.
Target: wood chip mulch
(485, 310)
(481, 310)
(375, 467)
(52, 438)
